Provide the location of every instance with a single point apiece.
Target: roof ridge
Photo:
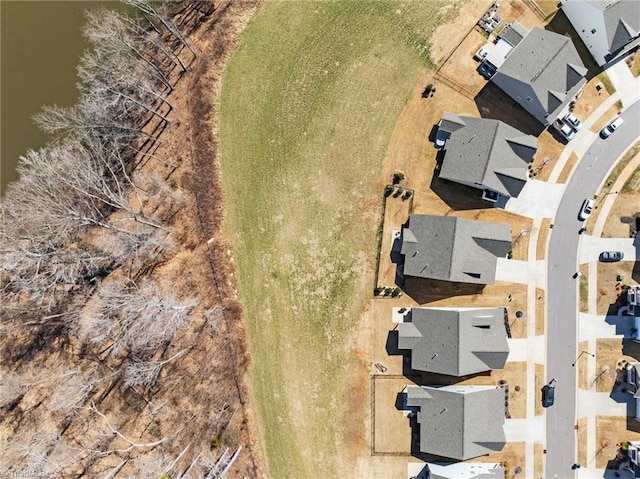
(453, 245)
(493, 140)
(548, 63)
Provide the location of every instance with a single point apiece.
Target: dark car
(611, 256)
(548, 394)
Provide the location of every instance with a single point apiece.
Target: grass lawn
(308, 104)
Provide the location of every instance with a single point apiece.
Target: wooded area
(121, 350)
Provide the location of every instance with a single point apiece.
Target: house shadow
(561, 24)
(624, 324)
(458, 197)
(495, 104)
(423, 290)
(433, 133)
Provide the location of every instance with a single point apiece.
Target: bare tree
(134, 318)
(145, 373)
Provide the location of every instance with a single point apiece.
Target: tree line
(82, 210)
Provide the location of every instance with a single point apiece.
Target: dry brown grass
(515, 373)
(549, 149)
(605, 119)
(609, 288)
(540, 381)
(581, 364)
(540, 311)
(538, 460)
(513, 453)
(611, 431)
(548, 7)
(392, 433)
(634, 63)
(582, 440)
(591, 98)
(608, 354)
(583, 291)
(620, 222)
(543, 237)
(568, 167)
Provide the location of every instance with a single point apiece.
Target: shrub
(388, 190)
(398, 177)
(408, 194)
(388, 291)
(397, 192)
(378, 290)
(396, 292)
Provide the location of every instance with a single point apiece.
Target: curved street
(562, 290)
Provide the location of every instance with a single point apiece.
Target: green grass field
(308, 104)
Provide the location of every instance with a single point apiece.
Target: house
(543, 74)
(510, 36)
(608, 28)
(633, 384)
(462, 470)
(634, 457)
(456, 341)
(486, 154)
(448, 248)
(459, 422)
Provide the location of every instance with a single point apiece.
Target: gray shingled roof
(513, 34)
(456, 342)
(604, 26)
(543, 74)
(459, 422)
(454, 249)
(490, 154)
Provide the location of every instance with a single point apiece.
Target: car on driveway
(565, 129)
(611, 256)
(586, 209)
(611, 127)
(573, 122)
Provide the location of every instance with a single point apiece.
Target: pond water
(40, 43)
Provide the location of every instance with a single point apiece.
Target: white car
(572, 121)
(568, 132)
(611, 127)
(587, 208)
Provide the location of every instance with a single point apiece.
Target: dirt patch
(611, 432)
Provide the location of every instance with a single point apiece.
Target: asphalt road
(562, 292)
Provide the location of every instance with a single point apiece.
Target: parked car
(566, 131)
(573, 122)
(611, 256)
(548, 394)
(587, 207)
(611, 127)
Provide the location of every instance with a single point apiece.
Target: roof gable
(484, 151)
(453, 249)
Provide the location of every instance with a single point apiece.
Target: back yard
(308, 105)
